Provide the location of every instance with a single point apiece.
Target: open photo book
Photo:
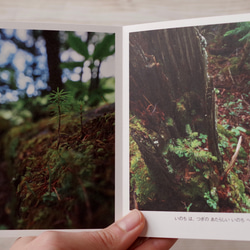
(96, 121)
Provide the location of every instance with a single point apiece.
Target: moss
(234, 140)
(234, 60)
(67, 187)
(235, 70)
(237, 194)
(243, 154)
(141, 184)
(224, 131)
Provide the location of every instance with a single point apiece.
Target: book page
(57, 116)
(187, 128)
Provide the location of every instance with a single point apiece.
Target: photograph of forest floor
(57, 137)
(230, 69)
(70, 185)
(180, 174)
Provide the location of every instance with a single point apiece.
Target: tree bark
(53, 50)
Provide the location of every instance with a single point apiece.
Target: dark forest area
(190, 121)
(56, 129)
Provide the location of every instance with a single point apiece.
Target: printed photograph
(57, 124)
(189, 91)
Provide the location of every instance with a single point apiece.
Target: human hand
(120, 235)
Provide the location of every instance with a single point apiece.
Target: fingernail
(130, 221)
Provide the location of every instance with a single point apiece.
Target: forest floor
(232, 88)
(60, 183)
(232, 108)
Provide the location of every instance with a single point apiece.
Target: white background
(123, 12)
(220, 226)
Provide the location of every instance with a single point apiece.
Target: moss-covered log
(70, 186)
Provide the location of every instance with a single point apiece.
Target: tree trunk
(170, 91)
(53, 49)
(94, 97)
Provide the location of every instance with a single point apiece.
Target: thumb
(120, 235)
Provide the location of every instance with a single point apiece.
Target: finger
(119, 235)
(157, 244)
(139, 241)
(21, 242)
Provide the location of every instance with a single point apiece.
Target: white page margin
(63, 27)
(164, 224)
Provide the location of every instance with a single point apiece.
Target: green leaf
(71, 65)
(246, 37)
(105, 48)
(195, 143)
(242, 29)
(78, 45)
(241, 129)
(188, 129)
(107, 90)
(237, 130)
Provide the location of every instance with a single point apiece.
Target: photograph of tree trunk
(56, 129)
(190, 119)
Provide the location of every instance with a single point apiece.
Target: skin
(122, 234)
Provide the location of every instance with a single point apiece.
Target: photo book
(96, 121)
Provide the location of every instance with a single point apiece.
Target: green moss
(141, 183)
(237, 193)
(53, 183)
(234, 140)
(234, 70)
(243, 154)
(224, 131)
(234, 60)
